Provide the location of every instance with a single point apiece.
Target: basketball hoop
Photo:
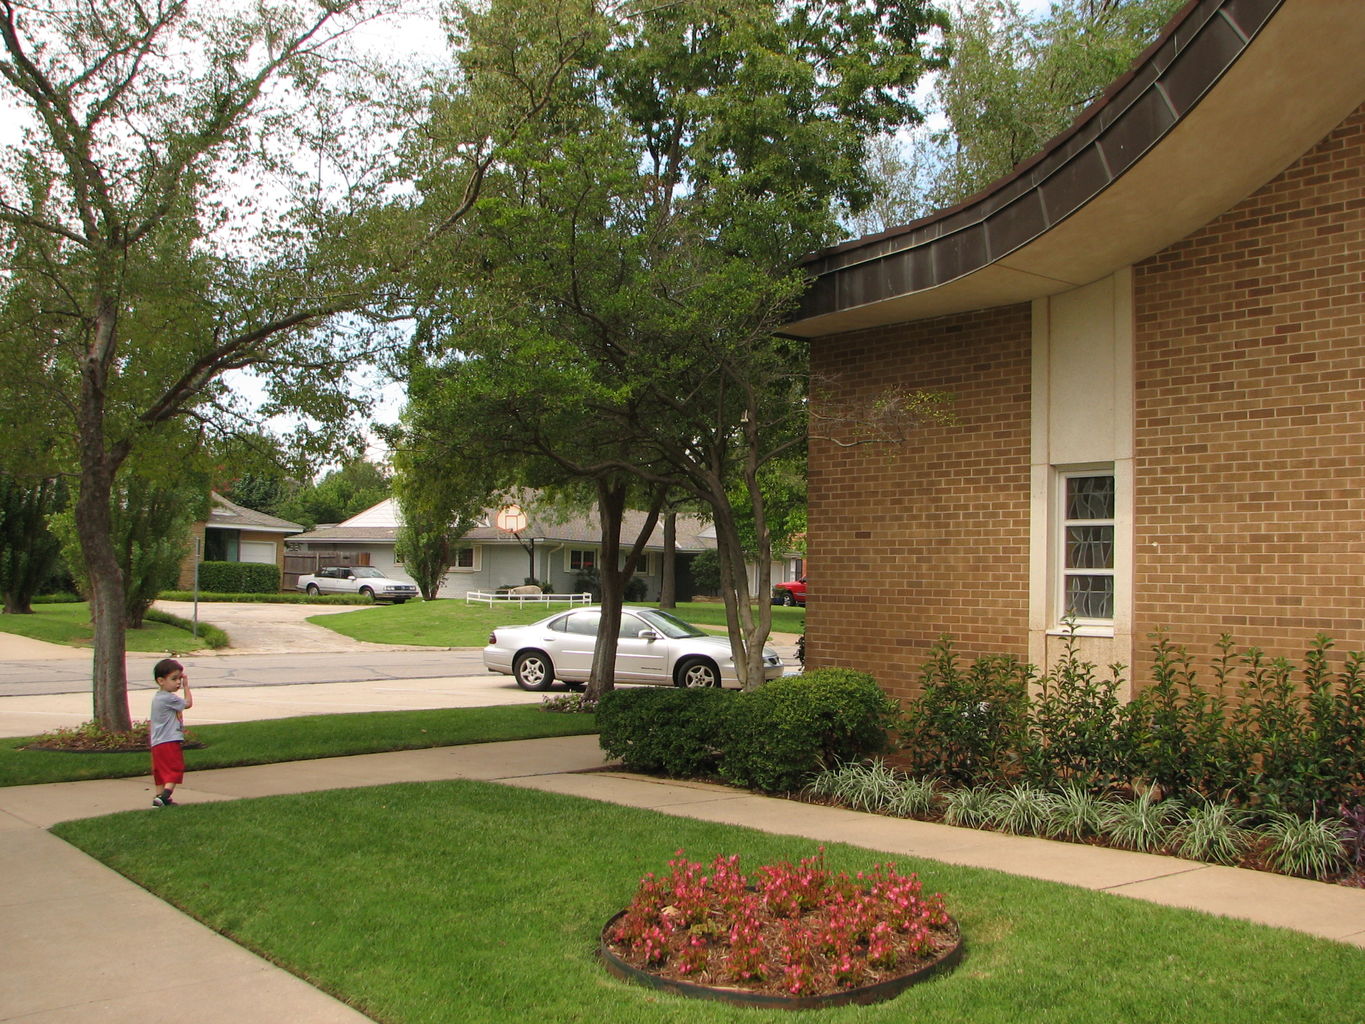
(511, 519)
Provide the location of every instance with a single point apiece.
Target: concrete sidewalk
(82, 943)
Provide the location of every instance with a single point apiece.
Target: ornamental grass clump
(1306, 847)
(793, 930)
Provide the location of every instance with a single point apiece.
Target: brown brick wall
(1250, 395)
(913, 541)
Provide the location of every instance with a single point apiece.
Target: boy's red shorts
(168, 763)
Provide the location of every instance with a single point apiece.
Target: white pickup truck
(356, 579)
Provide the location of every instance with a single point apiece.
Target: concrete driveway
(277, 628)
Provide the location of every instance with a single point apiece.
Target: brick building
(1154, 331)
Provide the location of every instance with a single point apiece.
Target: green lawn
(454, 623)
(298, 739)
(468, 902)
(70, 624)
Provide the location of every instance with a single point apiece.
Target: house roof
(1230, 95)
(379, 525)
(228, 515)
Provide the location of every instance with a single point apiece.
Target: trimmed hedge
(771, 739)
(781, 733)
(673, 731)
(283, 597)
(239, 577)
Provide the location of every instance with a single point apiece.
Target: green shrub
(783, 732)
(669, 730)
(239, 577)
(967, 727)
(1074, 732)
(283, 597)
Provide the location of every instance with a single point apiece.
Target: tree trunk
(611, 508)
(94, 525)
(95, 529)
(612, 574)
(668, 572)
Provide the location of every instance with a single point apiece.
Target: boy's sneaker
(158, 802)
(168, 802)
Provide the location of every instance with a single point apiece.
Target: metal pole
(198, 553)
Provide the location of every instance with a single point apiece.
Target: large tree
(200, 189)
(632, 264)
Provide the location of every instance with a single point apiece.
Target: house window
(221, 545)
(582, 560)
(464, 560)
(1087, 546)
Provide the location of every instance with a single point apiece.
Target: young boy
(168, 729)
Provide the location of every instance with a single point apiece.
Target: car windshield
(364, 572)
(669, 625)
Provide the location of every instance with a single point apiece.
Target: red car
(792, 593)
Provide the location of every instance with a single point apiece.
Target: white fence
(490, 599)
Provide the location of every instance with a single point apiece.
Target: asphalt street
(32, 677)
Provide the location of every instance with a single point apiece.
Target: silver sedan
(655, 647)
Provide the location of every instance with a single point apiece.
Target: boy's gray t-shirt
(166, 727)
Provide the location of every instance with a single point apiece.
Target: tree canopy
(612, 309)
(203, 188)
(1014, 80)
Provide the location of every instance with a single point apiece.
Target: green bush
(1075, 726)
(1264, 735)
(239, 577)
(967, 726)
(674, 731)
(283, 597)
(780, 734)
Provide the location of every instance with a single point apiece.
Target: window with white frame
(582, 559)
(1086, 545)
(464, 559)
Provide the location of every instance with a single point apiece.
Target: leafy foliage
(611, 316)
(674, 731)
(29, 553)
(965, 725)
(239, 578)
(776, 736)
(151, 519)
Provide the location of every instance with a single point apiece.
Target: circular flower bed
(797, 934)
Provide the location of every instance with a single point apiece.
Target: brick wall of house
(195, 543)
(1250, 402)
(903, 549)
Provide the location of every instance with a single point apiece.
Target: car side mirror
(648, 634)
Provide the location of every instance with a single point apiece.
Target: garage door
(257, 551)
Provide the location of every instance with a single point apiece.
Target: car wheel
(697, 672)
(533, 670)
(313, 590)
(787, 599)
(367, 592)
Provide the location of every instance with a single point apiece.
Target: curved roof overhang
(1232, 93)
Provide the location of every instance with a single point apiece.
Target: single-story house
(548, 549)
(235, 534)
(1155, 333)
